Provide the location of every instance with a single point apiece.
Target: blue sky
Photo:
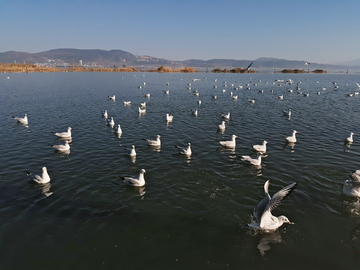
(312, 30)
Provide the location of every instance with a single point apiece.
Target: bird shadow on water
(45, 188)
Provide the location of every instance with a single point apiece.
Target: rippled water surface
(193, 212)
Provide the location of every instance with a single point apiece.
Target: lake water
(193, 212)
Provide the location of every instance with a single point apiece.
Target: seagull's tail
(177, 146)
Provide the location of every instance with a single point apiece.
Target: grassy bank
(26, 68)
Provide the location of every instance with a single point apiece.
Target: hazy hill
(123, 58)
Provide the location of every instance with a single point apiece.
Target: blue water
(193, 212)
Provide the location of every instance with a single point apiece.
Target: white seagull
(118, 130)
(281, 97)
(253, 161)
(185, 151)
(260, 147)
(142, 110)
(143, 104)
(226, 116)
(229, 144)
(127, 102)
(265, 220)
(156, 142)
(104, 114)
(135, 181)
(62, 147)
(222, 126)
(251, 100)
(66, 134)
(350, 138)
(287, 113)
(112, 97)
(292, 139)
(22, 120)
(111, 123)
(147, 95)
(169, 118)
(352, 187)
(43, 179)
(195, 112)
(130, 151)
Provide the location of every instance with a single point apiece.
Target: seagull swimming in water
(62, 147)
(352, 187)
(287, 113)
(112, 97)
(135, 181)
(229, 144)
(226, 116)
(118, 130)
(292, 139)
(169, 118)
(23, 120)
(260, 147)
(264, 219)
(222, 126)
(66, 134)
(43, 179)
(350, 138)
(104, 114)
(253, 161)
(130, 151)
(185, 151)
(156, 142)
(127, 102)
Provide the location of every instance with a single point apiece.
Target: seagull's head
(265, 142)
(142, 171)
(284, 219)
(44, 169)
(69, 128)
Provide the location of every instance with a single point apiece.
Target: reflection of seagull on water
(265, 220)
(352, 187)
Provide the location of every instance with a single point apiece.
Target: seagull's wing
(247, 67)
(260, 208)
(279, 196)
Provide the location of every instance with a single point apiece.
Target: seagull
(253, 161)
(142, 110)
(251, 100)
(235, 97)
(287, 113)
(195, 112)
(135, 181)
(130, 151)
(62, 147)
(127, 102)
(104, 114)
(111, 123)
(281, 97)
(358, 85)
(166, 92)
(229, 144)
(306, 94)
(352, 187)
(226, 116)
(260, 147)
(147, 95)
(22, 120)
(214, 97)
(185, 151)
(265, 220)
(169, 118)
(112, 97)
(292, 139)
(43, 179)
(222, 126)
(350, 138)
(66, 134)
(199, 102)
(118, 130)
(143, 104)
(156, 142)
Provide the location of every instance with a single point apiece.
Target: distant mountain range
(119, 58)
